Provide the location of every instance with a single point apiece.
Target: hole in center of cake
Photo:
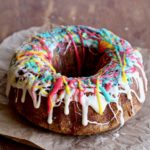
(80, 61)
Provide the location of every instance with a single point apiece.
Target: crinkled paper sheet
(135, 134)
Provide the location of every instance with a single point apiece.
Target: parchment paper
(135, 134)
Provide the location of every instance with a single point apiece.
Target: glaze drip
(32, 70)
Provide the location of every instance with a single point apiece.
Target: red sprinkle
(107, 86)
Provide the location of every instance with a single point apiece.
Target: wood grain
(19, 14)
(129, 19)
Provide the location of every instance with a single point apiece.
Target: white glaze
(90, 100)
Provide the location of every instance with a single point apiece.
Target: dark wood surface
(129, 19)
(7, 144)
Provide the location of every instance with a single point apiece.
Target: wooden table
(129, 19)
(7, 144)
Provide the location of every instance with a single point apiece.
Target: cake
(76, 80)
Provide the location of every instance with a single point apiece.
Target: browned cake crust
(72, 123)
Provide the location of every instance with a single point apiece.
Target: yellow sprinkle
(99, 103)
(124, 60)
(37, 87)
(33, 77)
(105, 44)
(98, 98)
(52, 105)
(52, 68)
(67, 87)
(79, 84)
(124, 77)
(32, 52)
(41, 89)
(120, 60)
(44, 92)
